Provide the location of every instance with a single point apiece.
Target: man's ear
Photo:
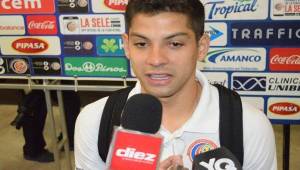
(125, 39)
(203, 46)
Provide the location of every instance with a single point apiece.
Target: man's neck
(178, 109)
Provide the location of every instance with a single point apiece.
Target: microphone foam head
(142, 112)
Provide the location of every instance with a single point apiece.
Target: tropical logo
(232, 9)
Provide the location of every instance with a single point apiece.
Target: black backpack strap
(231, 121)
(110, 118)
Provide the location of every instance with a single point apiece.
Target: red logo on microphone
(41, 24)
(284, 108)
(134, 150)
(285, 59)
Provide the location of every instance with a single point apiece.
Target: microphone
(135, 145)
(217, 159)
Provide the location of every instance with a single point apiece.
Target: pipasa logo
(110, 46)
(284, 108)
(27, 6)
(30, 45)
(116, 4)
(41, 24)
(232, 9)
(285, 59)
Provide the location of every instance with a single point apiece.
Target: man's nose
(157, 56)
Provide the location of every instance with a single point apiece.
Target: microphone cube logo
(135, 151)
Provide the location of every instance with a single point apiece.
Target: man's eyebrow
(134, 34)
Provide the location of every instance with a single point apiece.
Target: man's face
(163, 52)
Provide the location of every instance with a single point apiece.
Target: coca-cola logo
(116, 4)
(284, 108)
(284, 59)
(30, 45)
(293, 59)
(41, 25)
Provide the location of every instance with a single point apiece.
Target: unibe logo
(284, 108)
(30, 45)
(131, 153)
(26, 6)
(116, 4)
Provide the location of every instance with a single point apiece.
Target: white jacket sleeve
(86, 137)
(259, 141)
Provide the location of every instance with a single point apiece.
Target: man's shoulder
(90, 115)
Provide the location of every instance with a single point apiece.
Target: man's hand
(170, 162)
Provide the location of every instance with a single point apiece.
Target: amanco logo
(132, 154)
(116, 4)
(284, 108)
(30, 45)
(214, 164)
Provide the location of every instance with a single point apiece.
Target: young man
(164, 40)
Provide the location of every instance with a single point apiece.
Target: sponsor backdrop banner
(255, 46)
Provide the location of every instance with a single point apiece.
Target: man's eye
(140, 44)
(176, 44)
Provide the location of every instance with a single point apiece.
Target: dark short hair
(193, 9)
